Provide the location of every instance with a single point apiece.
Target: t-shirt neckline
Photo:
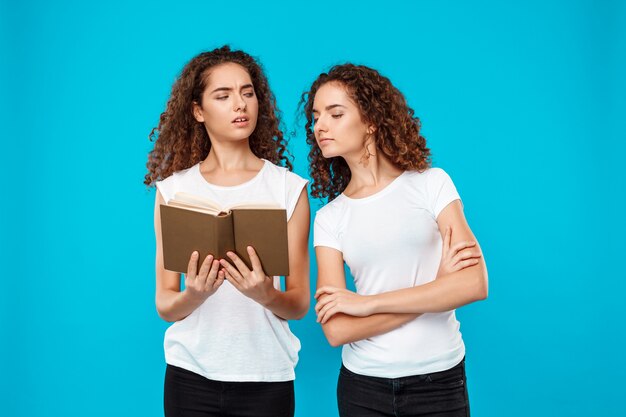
(231, 187)
(388, 188)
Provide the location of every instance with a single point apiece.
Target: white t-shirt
(390, 240)
(230, 337)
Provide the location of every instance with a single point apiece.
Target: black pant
(441, 394)
(188, 394)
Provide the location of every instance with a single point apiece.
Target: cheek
(253, 108)
(215, 116)
(354, 132)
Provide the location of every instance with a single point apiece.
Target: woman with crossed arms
(390, 218)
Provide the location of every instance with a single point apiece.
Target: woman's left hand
(333, 300)
(251, 283)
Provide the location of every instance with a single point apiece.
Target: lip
(322, 141)
(241, 121)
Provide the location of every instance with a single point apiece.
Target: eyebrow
(230, 89)
(332, 106)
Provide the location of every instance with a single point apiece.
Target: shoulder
(284, 184)
(169, 185)
(331, 211)
(180, 175)
(427, 179)
(436, 174)
(292, 181)
(274, 169)
(427, 174)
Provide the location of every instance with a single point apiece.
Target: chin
(242, 134)
(246, 133)
(328, 154)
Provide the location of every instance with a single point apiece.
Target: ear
(371, 129)
(197, 112)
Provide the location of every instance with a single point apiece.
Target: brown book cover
(185, 229)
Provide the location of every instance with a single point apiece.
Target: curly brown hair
(396, 135)
(181, 141)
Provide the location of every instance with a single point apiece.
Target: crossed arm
(347, 317)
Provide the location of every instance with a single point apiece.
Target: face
(229, 107)
(338, 126)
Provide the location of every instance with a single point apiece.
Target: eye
(337, 116)
(249, 94)
(315, 119)
(221, 98)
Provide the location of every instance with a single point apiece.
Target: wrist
(269, 297)
(188, 296)
(373, 305)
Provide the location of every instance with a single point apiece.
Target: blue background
(522, 103)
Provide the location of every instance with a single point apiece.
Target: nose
(240, 103)
(320, 126)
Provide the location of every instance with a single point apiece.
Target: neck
(370, 172)
(230, 156)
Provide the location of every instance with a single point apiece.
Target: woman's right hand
(460, 256)
(201, 285)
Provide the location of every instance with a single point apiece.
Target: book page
(196, 203)
(175, 203)
(250, 205)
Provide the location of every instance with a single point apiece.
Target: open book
(193, 223)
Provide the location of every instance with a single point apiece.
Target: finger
(466, 254)
(325, 290)
(465, 264)
(471, 253)
(254, 260)
(192, 267)
(221, 276)
(210, 279)
(331, 312)
(322, 313)
(241, 266)
(231, 271)
(204, 269)
(459, 246)
(236, 283)
(322, 302)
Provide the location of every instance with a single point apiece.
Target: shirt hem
(436, 367)
(280, 377)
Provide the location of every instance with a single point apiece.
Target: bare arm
(293, 303)
(447, 292)
(342, 328)
(173, 304)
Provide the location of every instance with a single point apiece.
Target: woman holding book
(389, 216)
(229, 349)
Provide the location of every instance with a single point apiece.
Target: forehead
(227, 75)
(332, 93)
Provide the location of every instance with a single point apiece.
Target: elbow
(301, 312)
(334, 337)
(335, 342)
(482, 286)
(164, 312)
(165, 315)
(482, 294)
(295, 311)
(300, 306)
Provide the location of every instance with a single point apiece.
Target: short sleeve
(323, 232)
(167, 187)
(441, 190)
(293, 188)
